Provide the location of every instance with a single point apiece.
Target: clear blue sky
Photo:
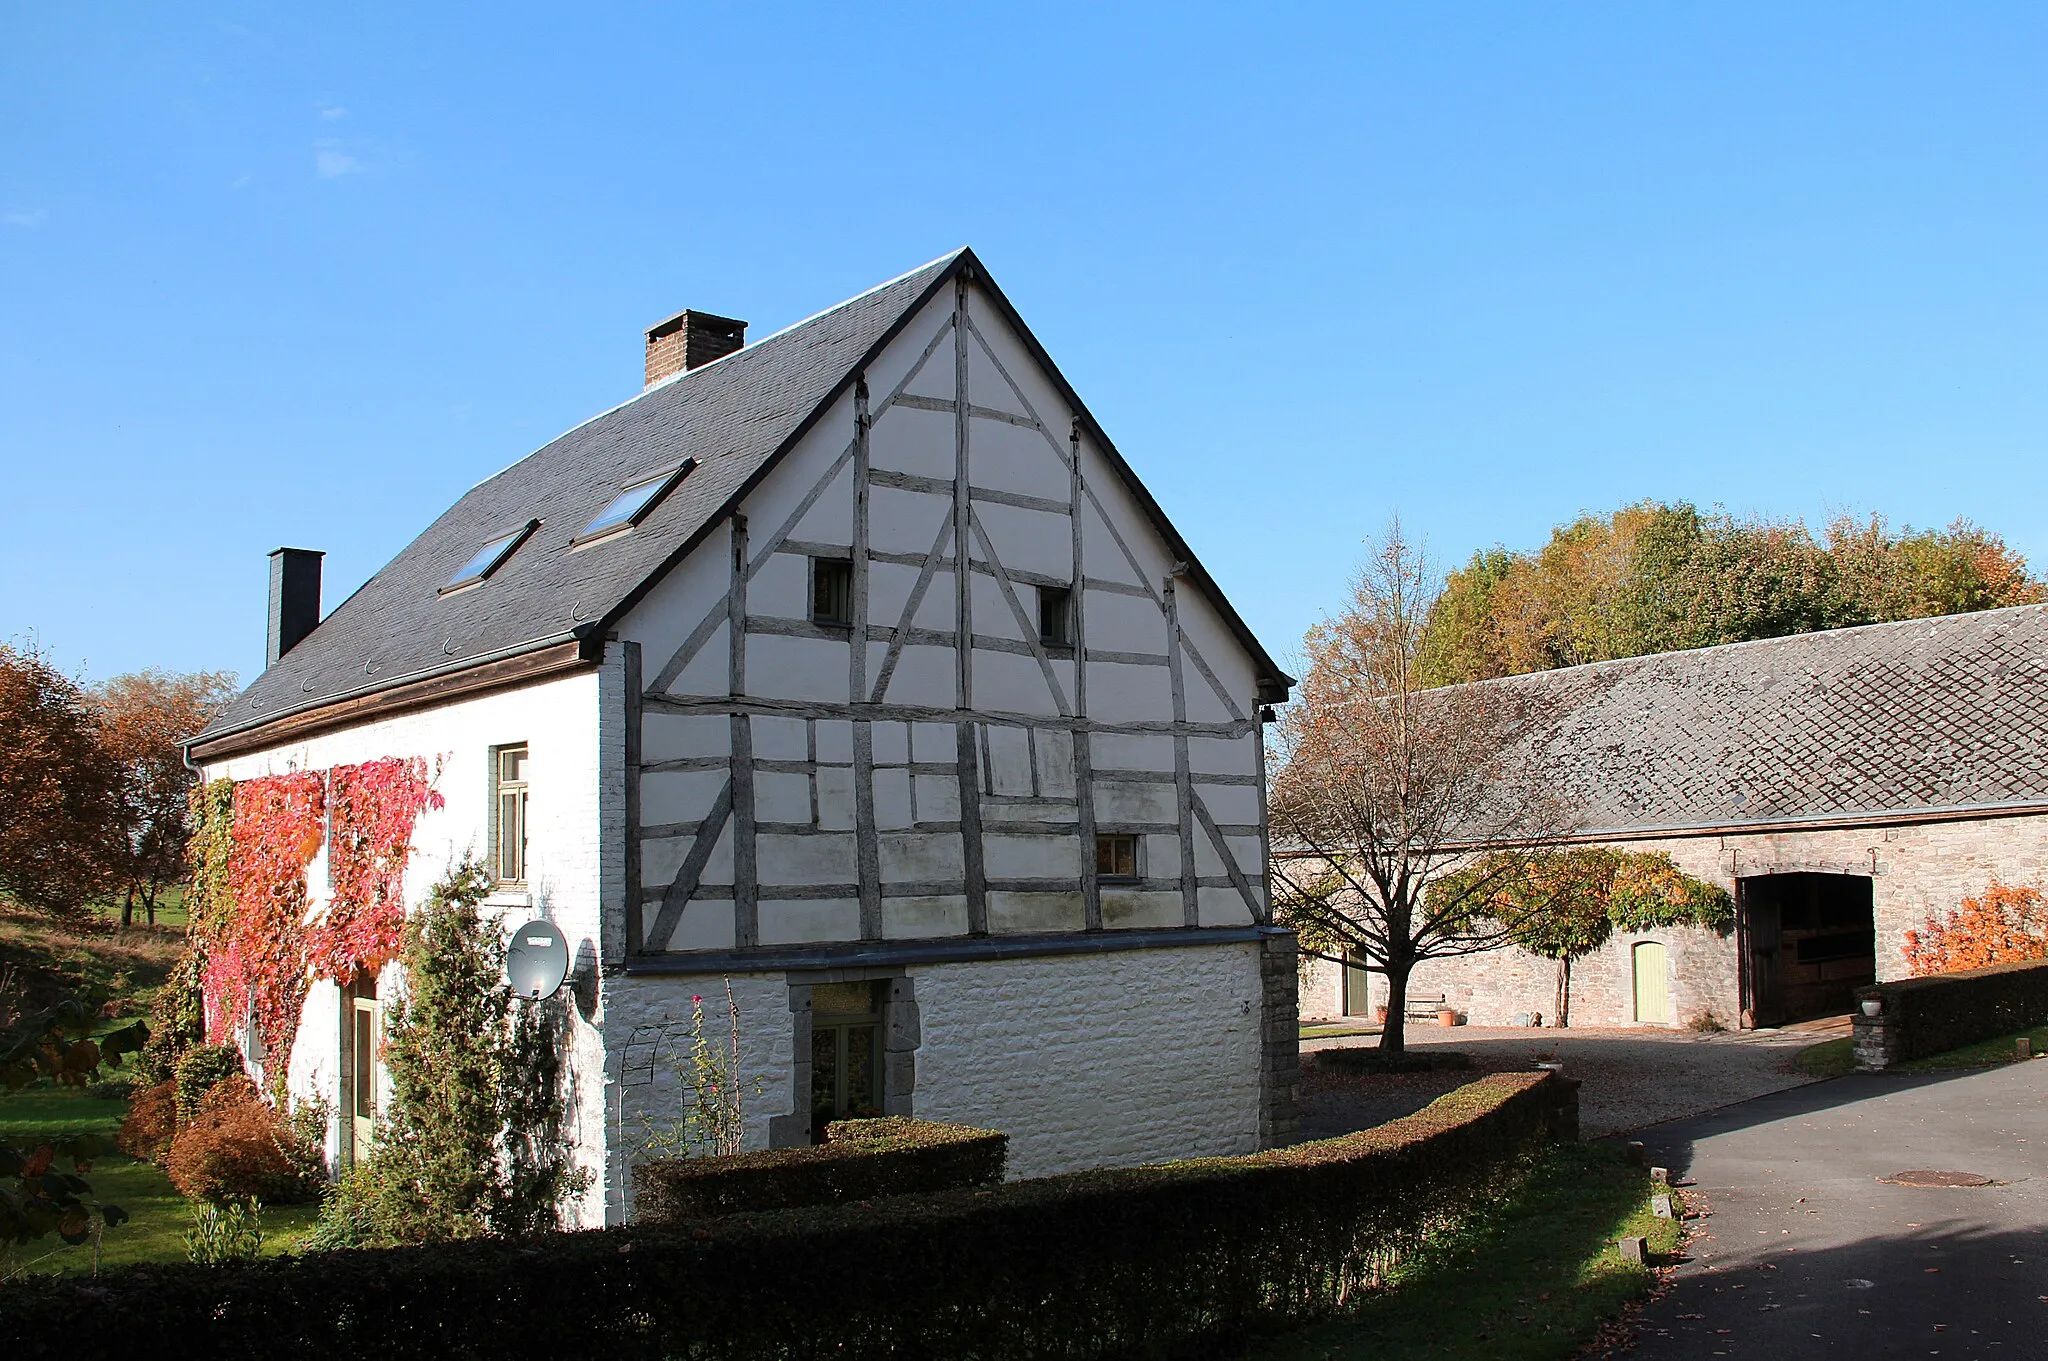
(276, 276)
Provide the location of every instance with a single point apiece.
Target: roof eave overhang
(1813, 822)
(528, 663)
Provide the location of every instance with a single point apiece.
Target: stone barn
(853, 667)
(1844, 786)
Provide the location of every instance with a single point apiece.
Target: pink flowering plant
(711, 1120)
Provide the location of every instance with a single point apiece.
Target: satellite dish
(537, 960)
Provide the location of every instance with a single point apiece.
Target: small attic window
(487, 559)
(634, 501)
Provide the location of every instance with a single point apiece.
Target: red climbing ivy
(371, 808)
(251, 892)
(262, 963)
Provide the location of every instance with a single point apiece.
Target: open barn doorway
(1808, 942)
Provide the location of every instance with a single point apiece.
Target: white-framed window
(508, 813)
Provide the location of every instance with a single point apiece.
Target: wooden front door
(1653, 996)
(361, 1097)
(1357, 988)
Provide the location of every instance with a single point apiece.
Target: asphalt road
(1806, 1252)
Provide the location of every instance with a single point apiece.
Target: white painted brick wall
(641, 1075)
(1083, 1060)
(1096, 1060)
(559, 722)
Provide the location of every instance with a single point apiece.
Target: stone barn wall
(1917, 870)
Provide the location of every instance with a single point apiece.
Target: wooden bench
(1424, 1008)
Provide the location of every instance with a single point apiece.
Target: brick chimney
(294, 600)
(690, 340)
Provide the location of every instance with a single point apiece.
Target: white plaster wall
(559, 720)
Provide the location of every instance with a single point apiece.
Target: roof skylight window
(487, 559)
(634, 501)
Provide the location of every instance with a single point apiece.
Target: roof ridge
(1778, 640)
(665, 383)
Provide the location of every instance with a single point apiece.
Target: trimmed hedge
(1945, 1011)
(859, 1160)
(1148, 1261)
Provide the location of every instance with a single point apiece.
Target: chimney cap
(310, 552)
(668, 326)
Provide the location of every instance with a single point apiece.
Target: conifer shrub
(472, 1141)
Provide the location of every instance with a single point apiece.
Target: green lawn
(1832, 1058)
(160, 1216)
(1532, 1277)
(1336, 1030)
(124, 964)
(170, 912)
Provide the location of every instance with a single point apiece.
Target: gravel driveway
(1632, 1078)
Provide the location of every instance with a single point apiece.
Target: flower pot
(1447, 1017)
(1379, 1016)
(1872, 1005)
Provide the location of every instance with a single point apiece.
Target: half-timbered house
(853, 668)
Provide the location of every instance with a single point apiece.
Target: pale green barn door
(1653, 996)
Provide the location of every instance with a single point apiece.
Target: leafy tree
(1380, 788)
(1655, 577)
(1565, 904)
(144, 719)
(62, 824)
(53, 1043)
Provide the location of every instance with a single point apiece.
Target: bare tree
(1381, 788)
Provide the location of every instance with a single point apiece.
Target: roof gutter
(521, 663)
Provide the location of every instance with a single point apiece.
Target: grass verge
(160, 1216)
(1832, 1058)
(1530, 1278)
(1336, 1030)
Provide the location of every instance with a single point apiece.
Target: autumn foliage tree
(1656, 577)
(63, 826)
(144, 719)
(2002, 925)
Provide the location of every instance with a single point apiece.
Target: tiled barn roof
(1928, 714)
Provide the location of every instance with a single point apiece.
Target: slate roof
(1928, 714)
(735, 416)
